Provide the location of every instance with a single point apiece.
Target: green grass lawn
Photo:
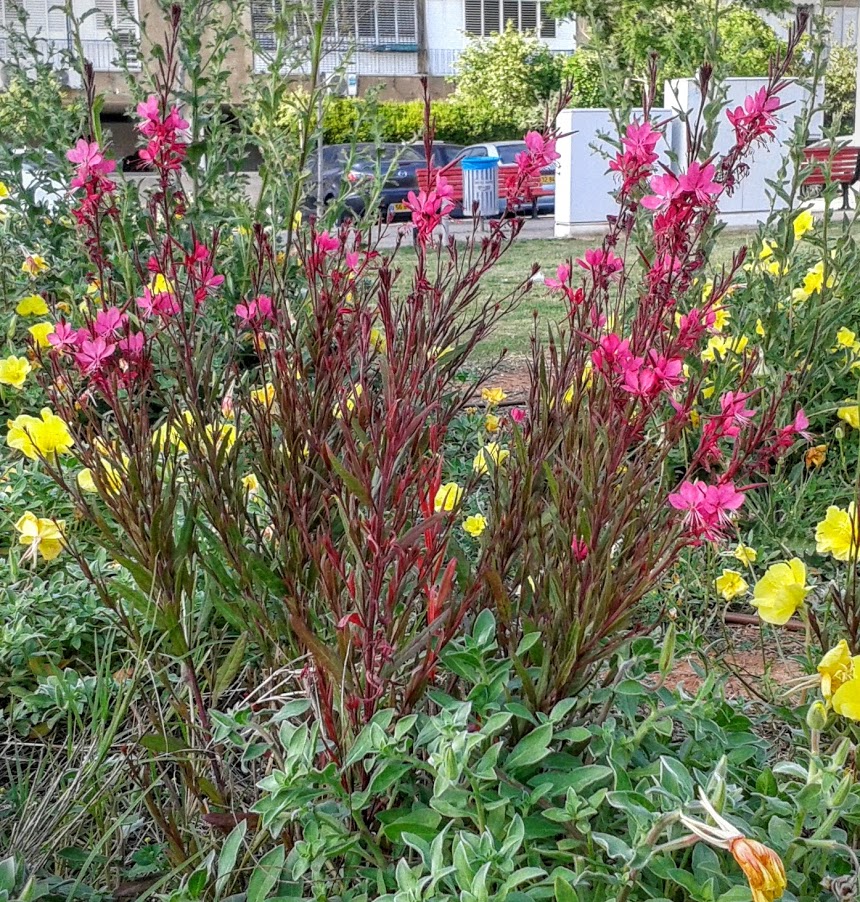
(514, 330)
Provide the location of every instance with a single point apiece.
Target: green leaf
(564, 892)
(422, 822)
(162, 744)
(266, 875)
(229, 853)
(531, 748)
(230, 666)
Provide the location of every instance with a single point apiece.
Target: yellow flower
(297, 220)
(447, 497)
(837, 533)
(33, 265)
(846, 699)
(493, 396)
(475, 525)
(731, 584)
(767, 249)
(850, 414)
(46, 436)
(161, 285)
(813, 281)
(40, 535)
(799, 296)
(14, 371)
(377, 341)
(745, 554)
(491, 451)
(836, 668)
(437, 352)
(846, 340)
(707, 291)
(221, 434)
(759, 328)
(803, 223)
(762, 867)
(774, 269)
(86, 481)
(264, 396)
(32, 305)
(722, 316)
(4, 191)
(780, 592)
(251, 484)
(350, 403)
(40, 333)
(815, 457)
(492, 423)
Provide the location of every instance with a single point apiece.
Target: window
(374, 21)
(483, 17)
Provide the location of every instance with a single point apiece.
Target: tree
(840, 85)
(508, 74)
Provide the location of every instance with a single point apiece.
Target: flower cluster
(165, 148)
(429, 207)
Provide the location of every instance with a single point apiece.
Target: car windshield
(508, 152)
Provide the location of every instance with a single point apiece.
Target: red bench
(841, 167)
(453, 174)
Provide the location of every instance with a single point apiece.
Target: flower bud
(816, 716)
(840, 433)
(716, 788)
(667, 653)
(840, 794)
(840, 756)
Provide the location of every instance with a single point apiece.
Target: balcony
(103, 54)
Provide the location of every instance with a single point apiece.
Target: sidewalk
(462, 229)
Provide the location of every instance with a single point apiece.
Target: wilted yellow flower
(14, 371)
(377, 341)
(731, 584)
(251, 484)
(850, 414)
(264, 396)
(492, 423)
(837, 533)
(762, 867)
(803, 223)
(40, 535)
(815, 457)
(33, 265)
(491, 451)
(32, 436)
(40, 333)
(745, 554)
(780, 592)
(846, 340)
(493, 396)
(447, 497)
(475, 525)
(32, 305)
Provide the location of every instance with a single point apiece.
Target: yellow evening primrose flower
(836, 668)
(722, 317)
(759, 328)
(493, 396)
(731, 584)
(492, 423)
(264, 396)
(767, 249)
(32, 305)
(4, 191)
(846, 340)
(707, 291)
(350, 403)
(846, 699)
(491, 451)
(837, 533)
(781, 591)
(40, 535)
(40, 333)
(803, 223)
(813, 281)
(14, 371)
(33, 265)
(850, 413)
(32, 436)
(447, 497)
(251, 484)
(475, 525)
(86, 483)
(719, 347)
(377, 341)
(161, 285)
(221, 434)
(745, 554)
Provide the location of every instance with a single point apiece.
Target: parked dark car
(351, 171)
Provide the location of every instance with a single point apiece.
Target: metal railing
(103, 54)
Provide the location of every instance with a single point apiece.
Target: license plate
(398, 208)
(547, 179)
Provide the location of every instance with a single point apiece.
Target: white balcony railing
(103, 54)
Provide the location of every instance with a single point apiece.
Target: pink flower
(600, 262)
(707, 508)
(518, 415)
(93, 354)
(647, 377)
(326, 243)
(562, 276)
(162, 303)
(699, 181)
(665, 187)
(733, 406)
(64, 337)
(91, 165)
(612, 355)
(132, 345)
(428, 208)
(755, 120)
(579, 548)
(255, 312)
(109, 322)
(640, 141)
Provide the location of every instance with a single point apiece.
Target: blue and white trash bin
(481, 186)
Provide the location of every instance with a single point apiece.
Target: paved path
(462, 229)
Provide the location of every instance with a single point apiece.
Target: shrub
(840, 86)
